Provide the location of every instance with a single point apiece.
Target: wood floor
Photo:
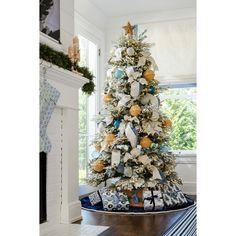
(132, 225)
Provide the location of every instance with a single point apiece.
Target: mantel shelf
(60, 75)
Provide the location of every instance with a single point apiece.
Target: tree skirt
(86, 205)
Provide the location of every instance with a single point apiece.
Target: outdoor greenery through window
(87, 108)
(179, 104)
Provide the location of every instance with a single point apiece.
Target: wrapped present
(153, 200)
(96, 197)
(135, 197)
(110, 200)
(123, 204)
(114, 201)
(173, 196)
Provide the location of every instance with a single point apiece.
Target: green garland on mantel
(62, 60)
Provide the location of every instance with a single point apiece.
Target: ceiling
(115, 8)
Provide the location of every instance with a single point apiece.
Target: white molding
(150, 17)
(60, 75)
(186, 160)
(71, 212)
(49, 41)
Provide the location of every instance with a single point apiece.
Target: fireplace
(42, 187)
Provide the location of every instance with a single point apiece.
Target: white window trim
(181, 153)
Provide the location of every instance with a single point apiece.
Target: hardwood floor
(132, 225)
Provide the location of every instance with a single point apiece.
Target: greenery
(62, 60)
(182, 113)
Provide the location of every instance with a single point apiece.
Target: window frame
(173, 85)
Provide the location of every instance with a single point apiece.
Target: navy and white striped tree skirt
(186, 225)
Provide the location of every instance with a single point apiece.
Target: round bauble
(145, 142)
(149, 75)
(167, 123)
(98, 166)
(107, 98)
(98, 147)
(151, 90)
(130, 51)
(119, 74)
(135, 110)
(117, 123)
(110, 138)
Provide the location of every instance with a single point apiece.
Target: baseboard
(189, 188)
(71, 212)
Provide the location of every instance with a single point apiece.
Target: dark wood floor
(131, 225)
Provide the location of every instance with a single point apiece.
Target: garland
(62, 60)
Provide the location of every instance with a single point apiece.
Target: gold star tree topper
(128, 28)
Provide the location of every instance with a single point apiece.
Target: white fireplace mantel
(65, 142)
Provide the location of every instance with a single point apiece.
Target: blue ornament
(151, 90)
(117, 124)
(164, 148)
(119, 74)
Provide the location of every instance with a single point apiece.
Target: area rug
(86, 205)
(73, 230)
(186, 225)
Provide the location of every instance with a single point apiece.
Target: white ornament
(131, 136)
(115, 157)
(118, 53)
(130, 51)
(135, 89)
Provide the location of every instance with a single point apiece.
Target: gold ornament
(145, 142)
(98, 166)
(128, 29)
(167, 123)
(98, 147)
(110, 138)
(149, 75)
(135, 110)
(107, 98)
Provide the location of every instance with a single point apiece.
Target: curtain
(175, 48)
(48, 99)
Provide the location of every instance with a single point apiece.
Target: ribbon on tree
(130, 134)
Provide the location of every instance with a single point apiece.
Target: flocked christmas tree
(132, 139)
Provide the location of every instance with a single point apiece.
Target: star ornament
(128, 29)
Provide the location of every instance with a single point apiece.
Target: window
(178, 102)
(87, 107)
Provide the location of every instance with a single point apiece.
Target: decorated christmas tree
(132, 140)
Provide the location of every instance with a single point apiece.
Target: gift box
(123, 204)
(173, 196)
(96, 197)
(110, 200)
(153, 200)
(135, 197)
